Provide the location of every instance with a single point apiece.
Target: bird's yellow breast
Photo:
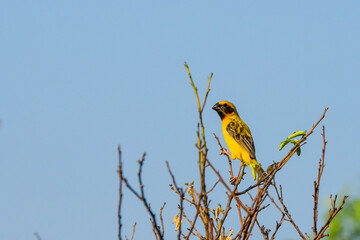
(235, 149)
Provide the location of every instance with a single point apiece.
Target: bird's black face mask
(219, 109)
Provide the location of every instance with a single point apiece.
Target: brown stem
(133, 232)
(120, 193)
(332, 213)
(317, 183)
(203, 150)
(141, 196)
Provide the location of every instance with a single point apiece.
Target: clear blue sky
(80, 77)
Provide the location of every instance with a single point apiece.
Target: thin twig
(120, 193)
(195, 218)
(141, 163)
(280, 165)
(207, 92)
(239, 212)
(249, 221)
(154, 231)
(141, 196)
(172, 187)
(230, 198)
(233, 192)
(265, 233)
(182, 194)
(213, 187)
(252, 226)
(295, 147)
(285, 210)
(332, 213)
(266, 183)
(273, 201)
(251, 187)
(172, 175)
(161, 219)
(317, 183)
(203, 150)
(37, 235)
(255, 207)
(223, 153)
(278, 225)
(133, 232)
(190, 232)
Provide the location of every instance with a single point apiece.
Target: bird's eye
(225, 105)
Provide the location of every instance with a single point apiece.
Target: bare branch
(195, 218)
(252, 226)
(214, 222)
(286, 212)
(203, 150)
(278, 225)
(264, 232)
(120, 193)
(182, 194)
(37, 235)
(213, 187)
(230, 198)
(207, 92)
(142, 198)
(193, 228)
(133, 232)
(161, 219)
(141, 163)
(295, 147)
(332, 213)
(251, 187)
(317, 183)
(224, 152)
(280, 165)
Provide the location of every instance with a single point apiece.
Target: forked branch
(141, 196)
(317, 183)
(212, 221)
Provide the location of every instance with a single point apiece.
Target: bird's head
(225, 109)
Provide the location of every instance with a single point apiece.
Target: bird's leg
(233, 180)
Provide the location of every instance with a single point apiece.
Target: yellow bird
(237, 136)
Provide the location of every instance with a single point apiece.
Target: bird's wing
(241, 134)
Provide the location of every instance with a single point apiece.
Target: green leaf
(296, 134)
(293, 140)
(282, 144)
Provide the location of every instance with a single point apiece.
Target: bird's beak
(217, 107)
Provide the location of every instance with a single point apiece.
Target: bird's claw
(233, 180)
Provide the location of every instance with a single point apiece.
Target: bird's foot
(233, 180)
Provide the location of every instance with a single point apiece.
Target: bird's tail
(256, 168)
